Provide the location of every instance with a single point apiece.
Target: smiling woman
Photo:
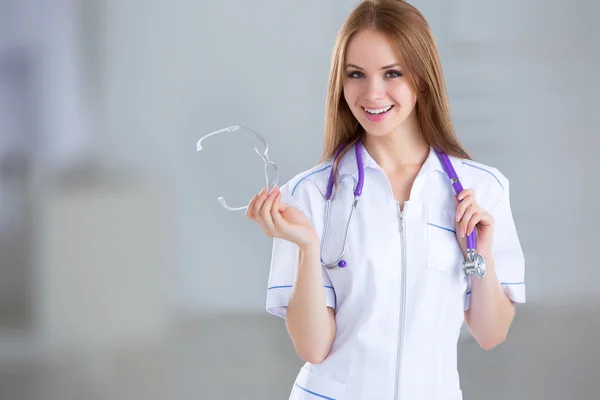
(405, 263)
(374, 92)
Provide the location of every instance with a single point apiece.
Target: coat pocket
(443, 251)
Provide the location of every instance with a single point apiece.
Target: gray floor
(551, 353)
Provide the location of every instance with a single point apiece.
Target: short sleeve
(284, 261)
(508, 255)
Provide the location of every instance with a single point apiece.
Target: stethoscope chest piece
(474, 265)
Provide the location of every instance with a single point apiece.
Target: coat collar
(348, 165)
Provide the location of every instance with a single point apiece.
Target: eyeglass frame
(264, 156)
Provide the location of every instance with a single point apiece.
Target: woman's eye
(358, 74)
(355, 75)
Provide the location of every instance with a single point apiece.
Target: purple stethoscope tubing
(361, 172)
(446, 164)
(357, 192)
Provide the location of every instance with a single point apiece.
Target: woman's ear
(422, 86)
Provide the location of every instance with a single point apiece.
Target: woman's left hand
(469, 216)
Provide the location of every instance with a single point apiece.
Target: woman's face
(377, 92)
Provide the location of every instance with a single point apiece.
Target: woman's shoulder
(306, 189)
(488, 182)
(478, 172)
(316, 176)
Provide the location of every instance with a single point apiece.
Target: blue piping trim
(279, 287)
(315, 394)
(483, 169)
(289, 286)
(303, 178)
(441, 227)
(504, 284)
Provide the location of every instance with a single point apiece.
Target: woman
(385, 323)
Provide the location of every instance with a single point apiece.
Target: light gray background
(145, 287)
(521, 83)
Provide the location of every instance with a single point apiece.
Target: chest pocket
(443, 251)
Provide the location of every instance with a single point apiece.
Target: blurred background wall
(123, 277)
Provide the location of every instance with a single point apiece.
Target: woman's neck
(402, 149)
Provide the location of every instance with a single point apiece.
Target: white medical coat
(376, 311)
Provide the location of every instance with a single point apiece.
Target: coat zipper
(402, 307)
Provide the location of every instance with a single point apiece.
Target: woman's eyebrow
(386, 67)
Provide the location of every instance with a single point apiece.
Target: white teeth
(377, 111)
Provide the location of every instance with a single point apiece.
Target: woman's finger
(462, 207)
(463, 199)
(485, 219)
(278, 220)
(251, 208)
(260, 200)
(466, 218)
(265, 212)
(473, 223)
(464, 193)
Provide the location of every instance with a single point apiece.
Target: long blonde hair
(411, 35)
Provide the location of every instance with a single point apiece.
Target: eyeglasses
(261, 147)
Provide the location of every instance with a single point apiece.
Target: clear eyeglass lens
(260, 147)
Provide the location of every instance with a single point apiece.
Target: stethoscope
(474, 264)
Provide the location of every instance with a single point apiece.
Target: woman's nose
(375, 89)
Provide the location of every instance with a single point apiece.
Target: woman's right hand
(280, 220)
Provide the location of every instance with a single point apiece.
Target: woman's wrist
(311, 248)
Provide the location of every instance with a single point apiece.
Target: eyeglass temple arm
(233, 129)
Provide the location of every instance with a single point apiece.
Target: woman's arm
(491, 311)
(310, 323)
